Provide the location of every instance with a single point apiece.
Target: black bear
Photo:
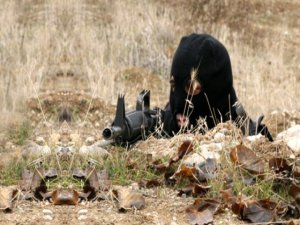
(202, 87)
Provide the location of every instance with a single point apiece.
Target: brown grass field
(100, 48)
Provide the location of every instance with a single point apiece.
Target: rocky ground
(61, 128)
(80, 132)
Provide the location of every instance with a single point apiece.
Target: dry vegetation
(97, 40)
(99, 48)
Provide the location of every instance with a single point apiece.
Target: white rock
(82, 217)
(253, 138)
(47, 212)
(291, 137)
(47, 217)
(194, 159)
(219, 137)
(82, 212)
(211, 147)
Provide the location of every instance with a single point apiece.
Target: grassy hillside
(100, 46)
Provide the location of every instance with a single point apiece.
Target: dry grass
(91, 42)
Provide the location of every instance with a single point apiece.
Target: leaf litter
(212, 178)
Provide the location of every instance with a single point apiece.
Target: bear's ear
(193, 87)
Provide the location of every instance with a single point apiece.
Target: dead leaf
(195, 190)
(228, 196)
(149, 183)
(129, 199)
(7, 195)
(199, 218)
(96, 182)
(65, 197)
(202, 211)
(185, 148)
(295, 192)
(255, 211)
(247, 159)
(187, 172)
(34, 181)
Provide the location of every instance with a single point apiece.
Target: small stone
(82, 212)
(253, 138)
(219, 137)
(291, 137)
(82, 217)
(47, 217)
(292, 156)
(47, 212)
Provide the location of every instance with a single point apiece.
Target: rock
(194, 159)
(291, 137)
(219, 137)
(82, 212)
(82, 217)
(47, 212)
(47, 217)
(204, 153)
(254, 138)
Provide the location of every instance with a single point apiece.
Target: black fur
(211, 62)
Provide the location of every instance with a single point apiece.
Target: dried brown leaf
(228, 196)
(199, 218)
(194, 189)
(65, 197)
(247, 159)
(295, 192)
(185, 148)
(188, 172)
(34, 181)
(202, 211)
(255, 211)
(149, 183)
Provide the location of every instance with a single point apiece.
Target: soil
(163, 206)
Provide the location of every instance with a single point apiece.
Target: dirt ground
(91, 113)
(162, 207)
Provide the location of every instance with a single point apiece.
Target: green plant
(19, 133)
(11, 174)
(126, 167)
